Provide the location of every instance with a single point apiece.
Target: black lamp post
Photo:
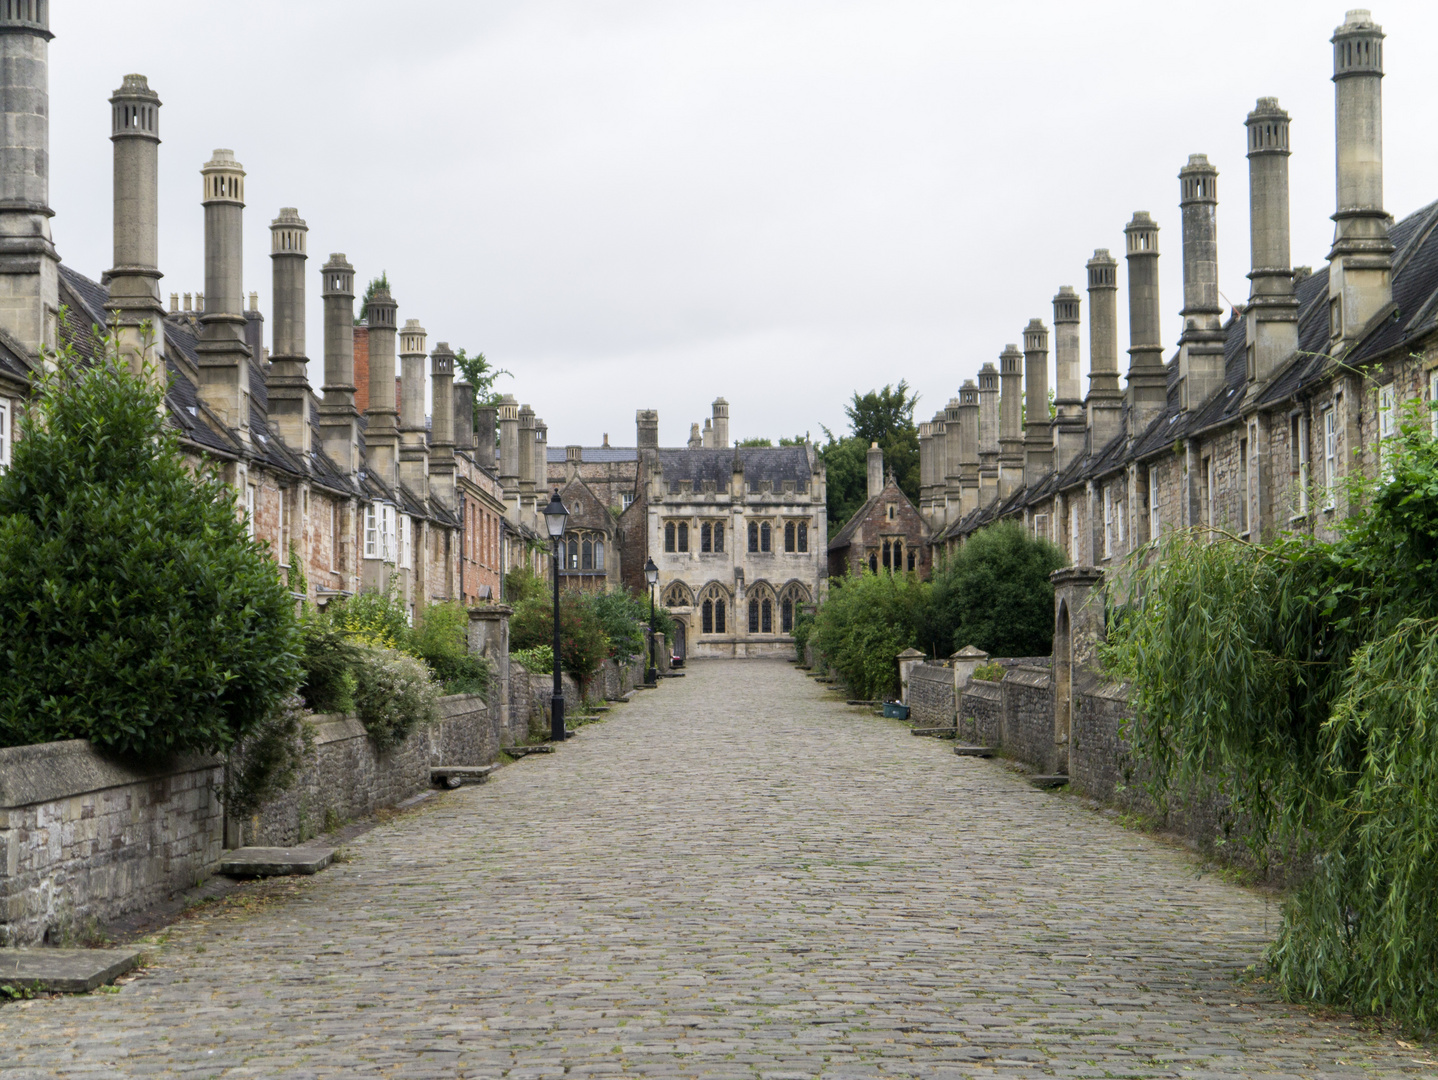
(651, 575)
(555, 519)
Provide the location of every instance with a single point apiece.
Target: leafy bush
(992, 672)
(538, 660)
(864, 625)
(521, 584)
(268, 759)
(1303, 677)
(583, 643)
(330, 659)
(394, 695)
(373, 618)
(442, 641)
(994, 593)
(803, 627)
(623, 618)
(134, 610)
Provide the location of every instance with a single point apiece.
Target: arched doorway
(1063, 689)
(680, 634)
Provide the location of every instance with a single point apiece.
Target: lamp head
(556, 517)
(651, 572)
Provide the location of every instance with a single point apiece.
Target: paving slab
(275, 861)
(65, 971)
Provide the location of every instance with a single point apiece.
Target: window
(753, 616)
(891, 511)
(387, 532)
(911, 560)
(1210, 492)
(1387, 422)
(873, 563)
(803, 537)
(4, 434)
(1330, 457)
(719, 616)
(669, 537)
(888, 555)
(753, 536)
(625, 501)
(786, 616)
(766, 616)
(684, 536)
(1041, 526)
(707, 617)
(766, 537)
(790, 541)
(335, 535)
(371, 531)
(572, 562)
(1073, 532)
(1107, 522)
(1120, 518)
(898, 554)
(1298, 461)
(586, 554)
(406, 548)
(1153, 518)
(250, 510)
(706, 537)
(1247, 487)
(599, 554)
(718, 536)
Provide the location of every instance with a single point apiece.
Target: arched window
(599, 554)
(789, 536)
(753, 536)
(587, 554)
(873, 563)
(766, 537)
(684, 536)
(766, 617)
(573, 553)
(786, 615)
(707, 618)
(898, 554)
(888, 555)
(719, 616)
(803, 536)
(753, 616)
(669, 537)
(718, 536)
(911, 559)
(706, 537)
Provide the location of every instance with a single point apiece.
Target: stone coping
(984, 688)
(1028, 675)
(46, 772)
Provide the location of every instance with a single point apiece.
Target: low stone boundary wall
(931, 695)
(981, 713)
(83, 837)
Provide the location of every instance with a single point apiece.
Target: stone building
(886, 534)
(1255, 418)
(351, 499)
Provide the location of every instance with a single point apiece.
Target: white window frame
(1119, 517)
(405, 541)
(371, 531)
(4, 435)
(625, 501)
(1387, 424)
(1153, 515)
(1433, 399)
(250, 510)
(1074, 552)
(1300, 453)
(1330, 457)
(1212, 477)
(1107, 521)
(1244, 457)
(387, 536)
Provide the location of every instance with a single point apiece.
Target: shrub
(442, 641)
(583, 643)
(373, 618)
(621, 616)
(268, 760)
(994, 593)
(394, 695)
(538, 660)
(521, 584)
(864, 625)
(803, 628)
(330, 659)
(134, 610)
(991, 672)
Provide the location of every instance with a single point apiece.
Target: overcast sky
(635, 204)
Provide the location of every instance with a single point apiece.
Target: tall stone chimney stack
(1038, 439)
(381, 437)
(486, 419)
(876, 471)
(953, 478)
(413, 438)
(988, 432)
(541, 454)
(926, 469)
(526, 455)
(1360, 276)
(968, 446)
(721, 422)
(1068, 425)
(135, 280)
(1104, 403)
(223, 354)
(1011, 423)
(939, 467)
(1147, 382)
(441, 429)
(288, 381)
(1271, 321)
(339, 418)
(509, 447)
(463, 416)
(1200, 346)
(29, 266)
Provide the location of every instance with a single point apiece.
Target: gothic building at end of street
(1254, 420)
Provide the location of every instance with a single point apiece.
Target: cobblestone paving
(734, 877)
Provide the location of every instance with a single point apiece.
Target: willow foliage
(1303, 677)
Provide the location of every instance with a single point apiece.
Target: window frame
(250, 510)
(718, 538)
(1433, 400)
(766, 538)
(1387, 425)
(404, 541)
(753, 537)
(5, 433)
(371, 531)
(1298, 463)
(706, 538)
(1330, 457)
(790, 538)
(1245, 470)
(1108, 521)
(803, 537)
(670, 542)
(1155, 519)
(683, 537)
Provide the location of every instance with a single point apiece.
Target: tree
(481, 375)
(845, 474)
(374, 286)
(882, 416)
(994, 593)
(135, 611)
(864, 625)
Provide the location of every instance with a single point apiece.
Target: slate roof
(762, 464)
(594, 455)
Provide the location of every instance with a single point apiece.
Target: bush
(994, 593)
(373, 618)
(624, 620)
(269, 759)
(442, 642)
(394, 695)
(583, 644)
(521, 584)
(992, 672)
(330, 660)
(803, 627)
(864, 625)
(134, 610)
(538, 660)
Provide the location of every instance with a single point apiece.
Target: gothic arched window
(786, 615)
(599, 554)
(684, 536)
(718, 536)
(669, 537)
(573, 553)
(706, 537)
(888, 555)
(587, 554)
(753, 616)
(789, 537)
(873, 563)
(707, 618)
(753, 536)
(766, 537)
(911, 559)
(719, 616)
(803, 536)
(766, 616)
(898, 554)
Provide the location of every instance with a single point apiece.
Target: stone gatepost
(964, 662)
(663, 658)
(907, 659)
(1078, 629)
(489, 637)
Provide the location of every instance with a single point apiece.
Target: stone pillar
(968, 447)
(965, 662)
(876, 471)
(135, 280)
(413, 438)
(1201, 345)
(485, 419)
(1038, 439)
(509, 446)
(1011, 436)
(907, 661)
(339, 418)
(382, 418)
(988, 433)
(223, 354)
(489, 637)
(1147, 380)
(1078, 630)
(646, 424)
(1360, 275)
(1104, 404)
(721, 422)
(288, 383)
(441, 433)
(463, 416)
(1067, 431)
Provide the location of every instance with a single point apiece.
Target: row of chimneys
(715, 435)
(980, 447)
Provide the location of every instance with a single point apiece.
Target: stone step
(65, 971)
(861, 701)
(525, 751)
(451, 776)
(935, 732)
(1048, 783)
(275, 861)
(970, 750)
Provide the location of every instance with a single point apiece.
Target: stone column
(382, 418)
(1011, 436)
(339, 417)
(1038, 439)
(223, 355)
(288, 381)
(135, 280)
(441, 434)
(413, 437)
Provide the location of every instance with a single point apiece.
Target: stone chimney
(135, 280)
(541, 454)
(223, 354)
(1147, 381)
(1038, 439)
(988, 432)
(485, 418)
(381, 417)
(1271, 321)
(1201, 345)
(926, 470)
(1068, 425)
(876, 471)
(573, 458)
(441, 429)
(29, 266)
(939, 469)
(1011, 423)
(1360, 275)
(698, 440)
(721, 422)
(968, 446)
(526, 453)
(509, 445)
(413, 438)
(339, 418)
(1104, 404)
(646, 429)
(953, 477)
(463, 416)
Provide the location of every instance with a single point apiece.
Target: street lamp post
(651, 575)
(556, 517)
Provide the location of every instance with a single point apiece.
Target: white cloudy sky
(649, 203)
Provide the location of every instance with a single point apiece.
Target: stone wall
(981, 713)
(1100, 763)
(85, 837)
(1029, 715)
(931, 695)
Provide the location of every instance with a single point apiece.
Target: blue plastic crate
(894, 711)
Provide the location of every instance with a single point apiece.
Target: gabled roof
(891, 493)
(762, 464)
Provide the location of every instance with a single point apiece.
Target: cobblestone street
(736, 876)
